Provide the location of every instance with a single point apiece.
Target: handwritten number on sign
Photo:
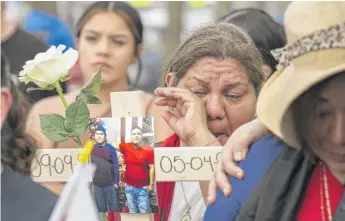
(170, 164)
(37, 168)
(194, 164)
(218, 157)
(46, 163)
(177, 158)
(179, 165)
(53, 165)
(209, 160)
(68, 160)
(58, 159)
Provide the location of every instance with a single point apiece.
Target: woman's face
(225, 89)
(106, 40)
(329, 126)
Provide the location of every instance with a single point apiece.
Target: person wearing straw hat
(303, 104)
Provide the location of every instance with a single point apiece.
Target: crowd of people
(272, 95)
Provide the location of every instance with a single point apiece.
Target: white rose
(49, 67)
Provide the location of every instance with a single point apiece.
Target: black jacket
(281, 191)
(24, 200)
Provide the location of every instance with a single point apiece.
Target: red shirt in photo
(137, 162)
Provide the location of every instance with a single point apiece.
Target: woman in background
(266, 33)
(109, 34)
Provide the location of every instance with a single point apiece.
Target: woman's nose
(338, 130)
(215, 107)
(103, 47)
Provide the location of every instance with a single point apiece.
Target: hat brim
(285, 86)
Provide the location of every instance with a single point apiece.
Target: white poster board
(186, 163)
(54, 165)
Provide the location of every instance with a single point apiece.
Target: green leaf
(77, 117)
(52, 126)
(94, 84)
(89, 98)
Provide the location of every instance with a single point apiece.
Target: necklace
(186, 216)
(324, 189)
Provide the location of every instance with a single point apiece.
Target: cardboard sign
(54, 165)
(186, 163)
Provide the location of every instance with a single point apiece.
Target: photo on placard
(137, 185)
(123, 154)
(105, 135)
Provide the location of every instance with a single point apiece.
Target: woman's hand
(235, 149)
(186, 115)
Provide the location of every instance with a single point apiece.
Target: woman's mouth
(222, 137)
(218, 134)
(101, 65)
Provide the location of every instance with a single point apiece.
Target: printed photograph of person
(122, 150)
(138, 158)
(106, 178)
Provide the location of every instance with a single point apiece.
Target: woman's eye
(324, 114)
(118, 42)
(198, 93)
(233, 97)
(91, 38)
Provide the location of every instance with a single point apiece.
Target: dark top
(102, 152)
(107, 168)
(281, 190)
(260, 156)
(19, 48)
(22, 199)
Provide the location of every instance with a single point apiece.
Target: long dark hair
(130, 16)
(17, 147)
(266, 33)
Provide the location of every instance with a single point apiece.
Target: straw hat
(315, 51)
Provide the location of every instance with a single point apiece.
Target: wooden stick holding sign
(129, 104)
(186, 163)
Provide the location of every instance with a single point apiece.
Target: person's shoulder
(26, 191)
(111, 147)
(124, 145)
(268, 142)
(265, 150)
(147, 147)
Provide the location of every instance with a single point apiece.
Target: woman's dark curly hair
(17, 147)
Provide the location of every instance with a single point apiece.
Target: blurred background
(165, 24)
